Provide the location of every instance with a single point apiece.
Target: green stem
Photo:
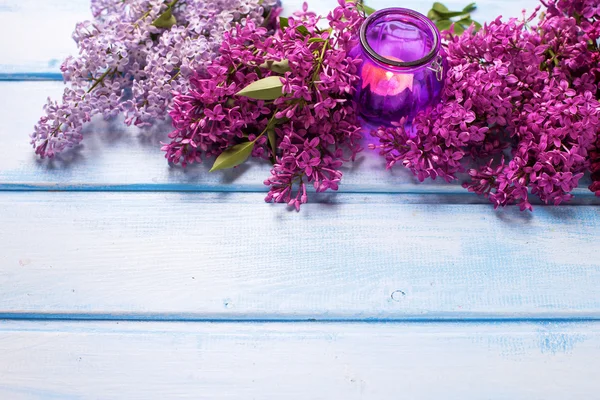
(147, 13)
(172, 4)
(269, 126)
(96, 83)
(143, 17)
(320, 61)
(267, 18)
(175, 76)
(101, 79)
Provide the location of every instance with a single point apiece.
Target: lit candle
(403, 69)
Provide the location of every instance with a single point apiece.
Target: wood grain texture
(507, 361)
(37, 34)
(225, 256)
(186, 286)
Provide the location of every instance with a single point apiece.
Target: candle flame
(383, 82)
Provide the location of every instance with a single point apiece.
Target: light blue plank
(545, 361)
(37, 34)
(44, 28)
(114, 157)
(228, 256)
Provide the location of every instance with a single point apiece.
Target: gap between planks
(441, 318)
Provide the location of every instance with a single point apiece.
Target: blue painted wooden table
(123, 278)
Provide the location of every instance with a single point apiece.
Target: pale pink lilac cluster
(520, 111)
(133, 55)
(308, 132)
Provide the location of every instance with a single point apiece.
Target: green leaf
(450, 14)
(165, 20)
(316, 40)
(443, 24)
(361, 6)
(233, 156)
(368, 10)
(443, 17)
(302, 30)
(458, 29)
(432, 15)
(439, 7)
(283, 23)
(272, 141)
(279, 67)
(269, 88)
(470, 8)
(467, 22)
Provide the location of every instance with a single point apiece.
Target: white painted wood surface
(109, 360)
(228, 256)
(122, 277)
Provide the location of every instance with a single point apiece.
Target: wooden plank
(224, 256)
(37, 34)
(44, 28)
(114, 157)
(448, 361)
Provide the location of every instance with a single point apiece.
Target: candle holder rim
(401, 64)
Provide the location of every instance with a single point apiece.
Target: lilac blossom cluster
(133, 55)
(519, 113)
(304, 121)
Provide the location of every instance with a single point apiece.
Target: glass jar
(403, 68)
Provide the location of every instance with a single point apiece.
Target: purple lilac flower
(314, 124)
(520, 111)
(130, 63)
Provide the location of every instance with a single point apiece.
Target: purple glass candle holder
(403, 68)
